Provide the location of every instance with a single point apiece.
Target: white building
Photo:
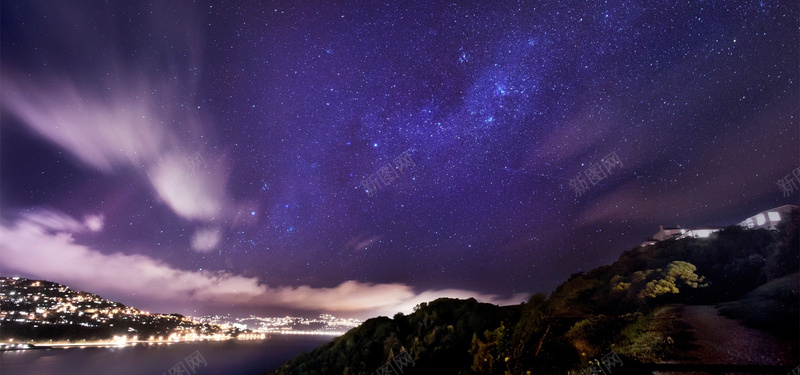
(667, 233)
(664, 234)
(703, 232)
(768, 219)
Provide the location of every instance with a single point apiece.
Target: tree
(785, 259)
(490, 356)
(643, 286)
(678, 273)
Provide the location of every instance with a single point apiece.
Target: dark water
(225, 357)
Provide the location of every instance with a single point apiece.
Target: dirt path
(722, 340)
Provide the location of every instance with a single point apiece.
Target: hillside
(44, 311)
(633, 307)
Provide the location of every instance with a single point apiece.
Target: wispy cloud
(120, 133)
(106, 133)
(117, 118)
(94, 222)
(717, 167)
(56, 221)
(198, 195)
(206, 239)
(361, 242)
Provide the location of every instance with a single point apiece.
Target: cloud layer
(42, 245)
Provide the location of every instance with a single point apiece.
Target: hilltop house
(664, 234)
(702, 232)
(768, 219)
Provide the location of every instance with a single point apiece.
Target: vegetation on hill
(437, 335)
(629, 306)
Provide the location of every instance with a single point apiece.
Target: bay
(233, 357)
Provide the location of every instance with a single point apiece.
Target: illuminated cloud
(206, 239)
(56, 221)
(192, 194)
(42, 245)
(94, 222)
(52, 220)
(407, 305)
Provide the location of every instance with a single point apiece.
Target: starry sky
(359, 158)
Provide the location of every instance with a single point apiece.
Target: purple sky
(209, 157)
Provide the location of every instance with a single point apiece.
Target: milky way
(211, 156)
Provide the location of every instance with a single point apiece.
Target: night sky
(212, 157)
